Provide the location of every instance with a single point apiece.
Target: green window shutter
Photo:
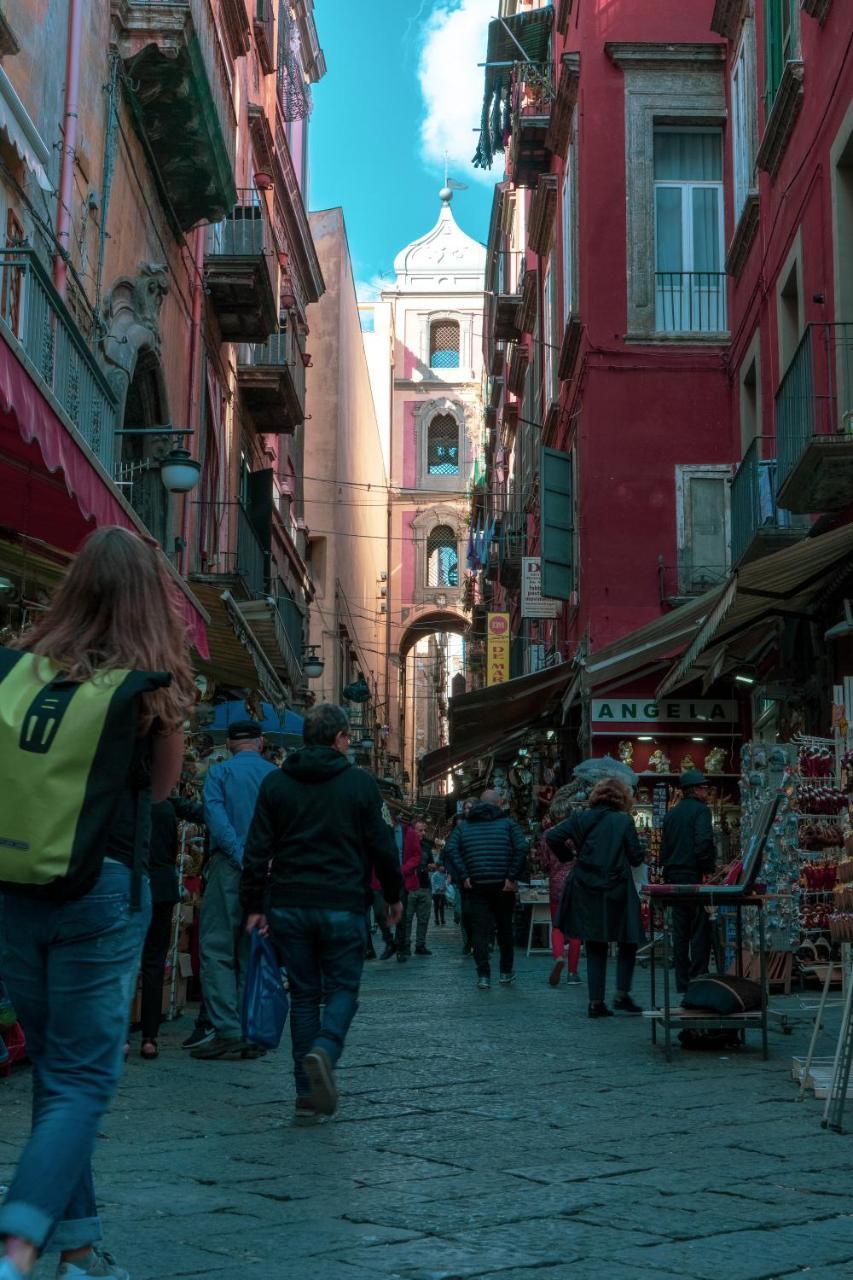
(557, 541)
(773, 65)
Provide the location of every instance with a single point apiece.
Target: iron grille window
(442, 558)
(443, 446)
(444, 344)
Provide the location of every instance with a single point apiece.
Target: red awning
(42, 466)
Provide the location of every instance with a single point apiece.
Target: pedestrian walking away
(438, 885)
(163, 875)
(486, 854)
(417, 869)
(688, 854)
(562, 949)
(230, 791)
(317, 832)
(600, 903)
(70, 947)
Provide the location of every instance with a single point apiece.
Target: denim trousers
(224, 948)
(69, 968)
(323, 952)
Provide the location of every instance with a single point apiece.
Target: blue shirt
(230, 792)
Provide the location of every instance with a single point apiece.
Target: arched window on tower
(443, 446)
(444, 344)
(442, 557)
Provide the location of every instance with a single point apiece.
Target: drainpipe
(69, 145)
(195, 371)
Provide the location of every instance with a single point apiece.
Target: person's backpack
(67, 752)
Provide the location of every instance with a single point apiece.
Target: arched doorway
(138, 472)
(432, 653)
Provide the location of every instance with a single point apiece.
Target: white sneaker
(100, 1264)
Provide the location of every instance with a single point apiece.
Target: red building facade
(672, 239)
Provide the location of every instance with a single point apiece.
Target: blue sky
(402, 86)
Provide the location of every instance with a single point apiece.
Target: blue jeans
(69, 968)
(323, 952)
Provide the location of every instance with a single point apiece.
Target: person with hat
(688, 853)
(230, 792)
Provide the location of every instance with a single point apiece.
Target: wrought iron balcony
(507, 286)
(690, 301)
(532, 97)
(35, 320)
(180, 94)
(241, 271)
(758, 525)
(271, 378)
(512, 547)
(814, 422)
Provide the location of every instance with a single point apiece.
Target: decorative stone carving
(132, 323)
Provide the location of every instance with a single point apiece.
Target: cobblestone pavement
(498, 1134)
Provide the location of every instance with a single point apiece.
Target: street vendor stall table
(539, 901)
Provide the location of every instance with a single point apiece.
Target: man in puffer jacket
(486, 853)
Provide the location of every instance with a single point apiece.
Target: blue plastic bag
(265, 1002)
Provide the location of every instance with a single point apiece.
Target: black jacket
(599, 902)
(163, 853)
(687, 847)
(317, 830)
(487, 847)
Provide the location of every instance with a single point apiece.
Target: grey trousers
(224, 947)
(419, 907)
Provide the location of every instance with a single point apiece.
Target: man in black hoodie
(318, 830)
(486, 853)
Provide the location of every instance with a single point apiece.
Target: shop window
(444, 344)
(443, 446)
(744, 110)
(690, 283)
(442, 557)
(781, 44)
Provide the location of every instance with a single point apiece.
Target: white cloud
(369, 290)
(452, 83)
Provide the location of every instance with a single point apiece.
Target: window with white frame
(703, 526)
(444, 344)
(744, 114)
(443, 446)
(568, 225)
(442, 557)
(690, 283)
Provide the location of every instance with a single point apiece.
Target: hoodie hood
(315, 764)
(481, 812)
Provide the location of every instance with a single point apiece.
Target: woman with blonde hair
(600, 903)
(69, 962)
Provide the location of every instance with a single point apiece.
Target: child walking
(438, 884)
(562, 948)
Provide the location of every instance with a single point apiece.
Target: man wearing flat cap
(687, 854)
(230, 792)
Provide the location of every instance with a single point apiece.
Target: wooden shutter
(557, 515)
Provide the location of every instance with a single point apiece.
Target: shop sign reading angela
(647, 711)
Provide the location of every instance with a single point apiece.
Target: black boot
(598, 1009)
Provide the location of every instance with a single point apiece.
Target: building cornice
(816, 9)
(652, 56)
(744, 235)
(542, 209)
(783, 115)
(727, 17)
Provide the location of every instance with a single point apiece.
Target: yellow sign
(497, 648)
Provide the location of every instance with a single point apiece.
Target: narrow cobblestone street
(499, 1134)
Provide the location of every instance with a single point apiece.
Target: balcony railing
(281, 351)
(755, 516)
(33, 313)
(814, 421)
(244, 233)
(509, 273)
(690, 301)
(251, 558)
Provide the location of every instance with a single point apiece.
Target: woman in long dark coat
(600, 902)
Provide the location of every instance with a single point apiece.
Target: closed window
(442, 557)
(690, 294)
(744, 109)
(568, 226)
(443, 446)
(444, 344)
(781, 44)
(549, 351)
(704, 522)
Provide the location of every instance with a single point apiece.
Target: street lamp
(179, 471)
(312, 664)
